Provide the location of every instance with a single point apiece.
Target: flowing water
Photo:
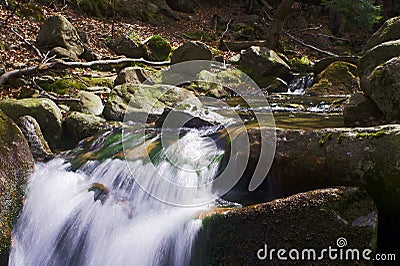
(70, 218)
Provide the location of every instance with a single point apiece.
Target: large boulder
(191, 51)
(337, 217)
(339, 78)
(16, 162)
(57, 31)
(383, 87)
(377, 56)
(360, 110)
(45, 111)
(389, 31)
(312, 159)
(263, 65)
(138, 101)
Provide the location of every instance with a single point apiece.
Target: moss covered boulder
(311, 220)
(45, 111)
(158, 48)
(377, 56)
(360, 110)
(88, 103)
(338, 78)
(129, 46)
(312, 159)
(140, 101)
(389, 31)
(16, 162)
(383, 87)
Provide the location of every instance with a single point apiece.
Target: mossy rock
(159, 49)
(234, 236)
(378, 55)
(389, 31)
(338, 78)
(45, 111)
(383, 87)
(80, 126)
(139, 101)
(301, 65)
(72, 85)
(16, 162)
(191, 51)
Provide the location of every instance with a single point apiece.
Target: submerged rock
(45, 111)
(311, 220)
(57, 31)
(101, 192)
(339, 78)
(16, 162)
(39, 147)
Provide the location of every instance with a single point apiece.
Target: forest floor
(305, 22)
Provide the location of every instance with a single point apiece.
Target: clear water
(62, 224)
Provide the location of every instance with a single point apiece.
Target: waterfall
(100, 215)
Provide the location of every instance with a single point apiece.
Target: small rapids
(100, 215)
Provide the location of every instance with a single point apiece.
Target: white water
(61, 224)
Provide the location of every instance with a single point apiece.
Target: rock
(101, 192)
(57, 31)
(191, 51)
(339, 78)
(185, 6)
(313, 159)
(80, 126)
(45, 111)
(383, 87)
(178, 118)
(39, 147)
(63, 53)
(362, 111)
(138, 101)
(158, 48)
(262, 64)
(377, 56)
(311, 220)
(89, 54)
(127, 46)
(133, 75)
(211, 85)
(88, 103)
(16, 162)
(322, 64)
(389, 31)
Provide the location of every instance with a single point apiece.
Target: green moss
(71, 85)
(371, 135)
(325, 138)
(340, 139)
(302, 64)
(159, 48)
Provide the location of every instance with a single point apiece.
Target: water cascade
(99, 215)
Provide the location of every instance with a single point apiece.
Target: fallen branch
(60, 65)
(310, 46)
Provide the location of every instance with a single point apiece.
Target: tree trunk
(277, 24)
